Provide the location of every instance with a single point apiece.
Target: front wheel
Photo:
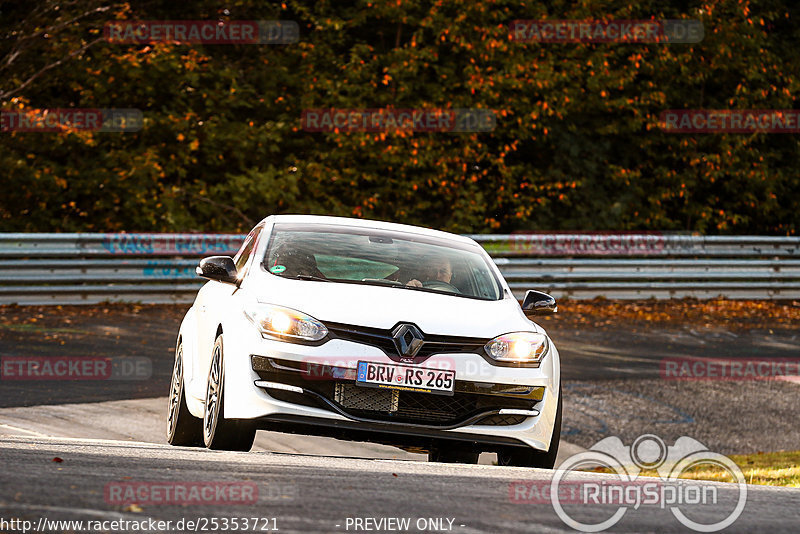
(220, 433)
(182, 427)
(527, 457)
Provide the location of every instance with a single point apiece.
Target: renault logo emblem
(407, 340)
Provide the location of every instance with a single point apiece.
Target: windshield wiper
(310, 277)
(382, 281)
(426, 289)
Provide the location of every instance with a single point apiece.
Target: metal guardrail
(159, 268)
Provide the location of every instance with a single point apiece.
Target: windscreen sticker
(277, 269)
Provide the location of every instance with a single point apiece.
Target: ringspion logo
(694, 504)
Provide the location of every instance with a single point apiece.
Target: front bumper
(333, 388)
(305, 389)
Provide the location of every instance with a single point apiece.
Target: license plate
(406, 378)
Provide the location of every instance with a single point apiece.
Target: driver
(438, 270)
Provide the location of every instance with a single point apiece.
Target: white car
(368, 331)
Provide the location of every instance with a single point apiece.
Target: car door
(211, 304)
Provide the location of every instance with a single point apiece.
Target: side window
(247, 249)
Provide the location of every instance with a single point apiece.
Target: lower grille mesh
(360, 398)
(436, 408)
(424, 408)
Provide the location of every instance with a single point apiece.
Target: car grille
(383, 340)
(394, 405)
(369, 399)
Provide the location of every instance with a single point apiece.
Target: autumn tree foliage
(577, 145)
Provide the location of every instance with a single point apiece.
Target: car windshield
(400, 260)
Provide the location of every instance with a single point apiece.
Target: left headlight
(285, 324)
(518, 347)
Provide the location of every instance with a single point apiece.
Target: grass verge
(762, 468)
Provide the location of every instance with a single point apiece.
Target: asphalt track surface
(305, 493)
(611, 375)
(63, 443)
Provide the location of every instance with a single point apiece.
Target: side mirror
(538, 303)
(220, 268)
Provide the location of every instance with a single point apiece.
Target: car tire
(220, 433)
(527, 457)
(183, 428)
(449, 455)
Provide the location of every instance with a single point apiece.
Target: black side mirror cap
(538, 303)
(220, 268)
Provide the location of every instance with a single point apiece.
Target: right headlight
(285, 324)
(518, 347)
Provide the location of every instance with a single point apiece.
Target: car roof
(366, 223)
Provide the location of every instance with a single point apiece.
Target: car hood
(384, 307)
